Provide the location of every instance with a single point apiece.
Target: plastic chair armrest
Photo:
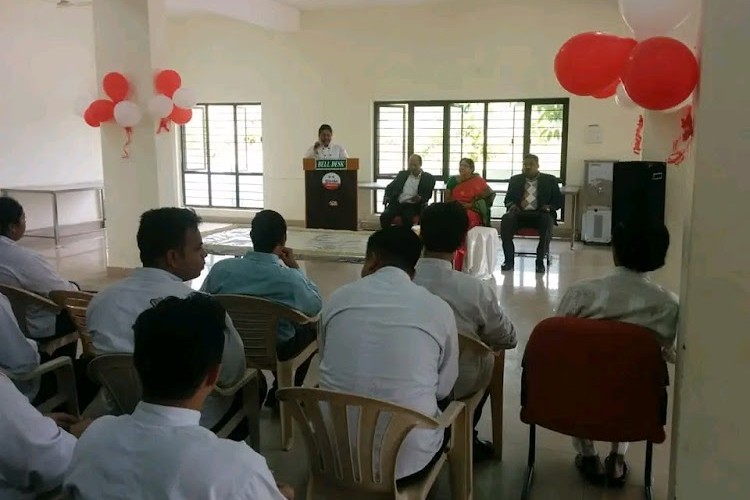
(234, 388)
(47, 367)
(450, 415)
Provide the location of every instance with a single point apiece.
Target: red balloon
(181, 116)
(116, 86)
(89, 118)
(590, 62)
(607, 91)
(167, 82)
(102, 110)
(662, 72)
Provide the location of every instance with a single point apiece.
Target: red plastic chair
(594, 379)
(530, 232)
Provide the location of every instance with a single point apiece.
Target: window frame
(236, 173)
(410, 105)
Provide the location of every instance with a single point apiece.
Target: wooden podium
(331, 193)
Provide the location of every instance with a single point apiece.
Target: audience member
(171, 250)
(474, 302)
(385, 337)
(270, 272)
(23, 268)
(19, 354)
(408, 194)
(625, 295)
(533, 200)
(161, 451)
(36, 449)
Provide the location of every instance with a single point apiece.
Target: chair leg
(285, 378)
(460, 459)
(531, 462)
(496, 404)
(648, 480)
(252, 410)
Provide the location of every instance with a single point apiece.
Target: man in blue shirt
(270, 272)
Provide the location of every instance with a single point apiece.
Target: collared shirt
(18, 354)
(259, 274)
(625, 296)
(478, 314)
(330, 152)
(160, 452)
(24, 268)
(385, 337)
(113, 311)
(411, 188)
(36, 452)
(530, 199)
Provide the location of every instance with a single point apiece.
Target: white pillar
(711, 441)
(130, 37)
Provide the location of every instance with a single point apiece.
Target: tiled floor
(527, 298)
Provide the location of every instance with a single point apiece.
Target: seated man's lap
(304, 335)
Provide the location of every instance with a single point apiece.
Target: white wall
(47, 63)
(343, 60)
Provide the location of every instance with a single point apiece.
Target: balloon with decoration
(173, 102)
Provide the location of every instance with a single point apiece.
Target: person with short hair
(24, 268)
(408, 194)
(474, 302)
(270, 271)
(37, 448)
(385, 337)
(161, 451)
(627, 294)
(171, 250)
(323, 149)
(532, 201)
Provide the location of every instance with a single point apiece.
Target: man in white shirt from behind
(36, 450)
(627, 294)
(474, 302)
(385, 337)
(323, 149)
(24, 268)
(19, 354)
(161, 451)
(171, 250)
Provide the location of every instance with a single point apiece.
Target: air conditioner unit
(597, 226)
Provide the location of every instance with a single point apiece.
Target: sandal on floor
(591, 469)
(609, 465)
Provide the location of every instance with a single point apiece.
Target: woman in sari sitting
(473, 192)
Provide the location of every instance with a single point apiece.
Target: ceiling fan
(70, 3)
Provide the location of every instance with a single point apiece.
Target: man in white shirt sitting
(161, 451)
(23, 268)
(171, 250)
(474, 302)
(387, 338)
(36, 450)
(323, 149)
(638, 247)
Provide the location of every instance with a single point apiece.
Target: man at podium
(323, 149)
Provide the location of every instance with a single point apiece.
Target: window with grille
(222, 156)
(495, 134)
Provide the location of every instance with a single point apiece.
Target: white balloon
(649, 18)
(184, 98)
(160, 106)
(127, 114)
(623, 99)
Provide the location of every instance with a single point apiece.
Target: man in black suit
(532, 201)
(408, 194)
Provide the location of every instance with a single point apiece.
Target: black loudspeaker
(638, 191)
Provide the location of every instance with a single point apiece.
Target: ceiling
(332, 4)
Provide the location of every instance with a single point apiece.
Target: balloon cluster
(125, 113)
(173, 103)
(651, 70)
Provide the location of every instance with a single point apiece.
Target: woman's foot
(591, 469)
(616, 470)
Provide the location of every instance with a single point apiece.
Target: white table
(570, 192)
(53, 191)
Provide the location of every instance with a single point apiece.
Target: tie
(529, 196)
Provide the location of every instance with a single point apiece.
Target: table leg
(496, 403)
(101, 203)
(55, 221)
(575, 221)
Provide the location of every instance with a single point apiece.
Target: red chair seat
(527, 231)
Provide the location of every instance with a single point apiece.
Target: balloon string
(638, 143)
(681, 145)
(163, 125)
(129, 136)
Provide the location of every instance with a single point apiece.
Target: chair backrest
(343, 438)
(76, 303)
(257, 322)
(474, 348)
(595, 379)
(116, 373)
(21, 300)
